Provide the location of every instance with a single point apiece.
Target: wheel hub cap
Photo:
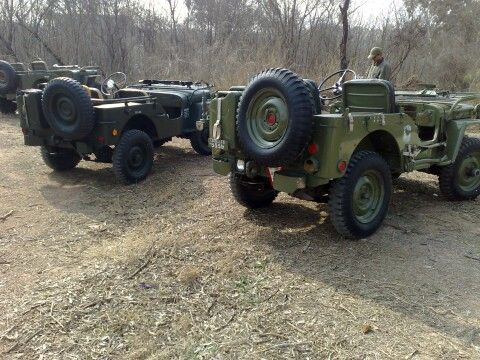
(136, 157)
(65, 109)
(368, 197)
(267, 118)
(469, 173)
(271, 119)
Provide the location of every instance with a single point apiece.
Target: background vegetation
(226, 41)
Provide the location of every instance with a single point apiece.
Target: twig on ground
(144, 265)
(296, 328)
(214, 302)
(6, 216)
(472, 257)
(228, 322)
(348, 311)
(23, 343)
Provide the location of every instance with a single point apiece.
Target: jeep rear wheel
(275, 117)
(461, 180)
(250, 193)
(68, 109)
(60, 159)
(7, 106)
(199, 142)
(133, 157)
(359, 200)
(8, 78)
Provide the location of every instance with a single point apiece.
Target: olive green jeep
(272, 136)
(17, 76)
(116, 124)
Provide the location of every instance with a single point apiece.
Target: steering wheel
(113, 84)
(337, 89)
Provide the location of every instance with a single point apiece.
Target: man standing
(380, 68)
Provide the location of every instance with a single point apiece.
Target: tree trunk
(343, 45)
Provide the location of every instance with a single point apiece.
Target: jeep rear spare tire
(275, 117)
(133, 157)
(68, 109)
(8, 78)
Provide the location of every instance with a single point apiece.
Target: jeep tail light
(312, 149)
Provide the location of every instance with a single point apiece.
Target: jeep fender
(455, 133)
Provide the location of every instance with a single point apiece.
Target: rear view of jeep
(271, 136)
(115, 124)
(18, 76)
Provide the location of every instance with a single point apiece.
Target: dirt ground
(174, 268)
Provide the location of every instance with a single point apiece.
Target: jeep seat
(377, 96)
(39, 66)
(94, 93)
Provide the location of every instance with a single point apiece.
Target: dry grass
(174, 268)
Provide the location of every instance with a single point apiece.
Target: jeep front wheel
(252, 194)
(461, 180)
(133, 157)
(199, 142)
(60, 159)
(359, 200)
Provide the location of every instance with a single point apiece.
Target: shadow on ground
(92, 189)
(406, 267)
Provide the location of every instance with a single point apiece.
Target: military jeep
(271, 136)
(116, 124)
(17, 76)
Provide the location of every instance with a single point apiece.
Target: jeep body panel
(154, 109)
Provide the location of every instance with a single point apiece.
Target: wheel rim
(368, 197)
(267, 118)
(136, 158)
(469, 173)
(64, 109)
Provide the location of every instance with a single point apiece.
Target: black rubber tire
(60, 159)
(10, 80)
(313, 88)
(65, 98)
(341, 196)
(300, 107)
(7, 106)
(141, 143)
(104, 155)
(252, 196)
(199, 142)
(448, 178)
